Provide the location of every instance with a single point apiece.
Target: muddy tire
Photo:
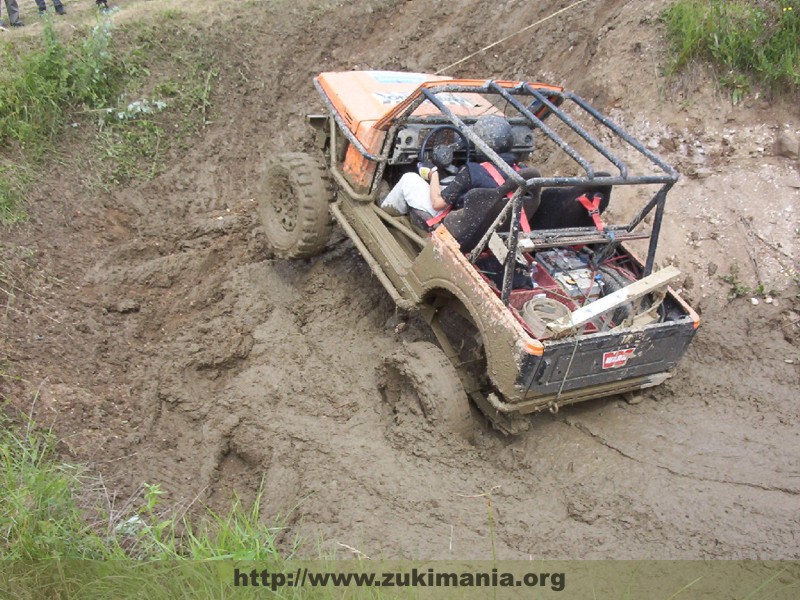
(293, 205)
(421, 380)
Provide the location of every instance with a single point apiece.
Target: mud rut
(196, 361)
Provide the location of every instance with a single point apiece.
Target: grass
(14, 181)
(130, 150)
(38, 84)
(50, 509)
(39, 517)
(41, 84)
(748, 41)
(132, 140)
(93, 81)
(61, 537)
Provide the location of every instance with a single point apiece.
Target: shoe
(18, 24)
(60, 10)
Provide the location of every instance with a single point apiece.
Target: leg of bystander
(13, 13)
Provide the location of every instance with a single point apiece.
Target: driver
(424, 191)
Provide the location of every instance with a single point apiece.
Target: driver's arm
(437, 201)
(442, 198)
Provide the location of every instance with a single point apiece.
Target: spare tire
(293, 205)
(614, 280)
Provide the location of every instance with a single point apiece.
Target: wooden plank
(580, 317)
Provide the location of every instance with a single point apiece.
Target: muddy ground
(152, 329)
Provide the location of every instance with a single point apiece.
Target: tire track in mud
(601, 440)
(231, 372)
(311, 427)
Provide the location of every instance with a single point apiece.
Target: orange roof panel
(368, 95)
(360, 96)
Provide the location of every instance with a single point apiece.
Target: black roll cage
(609, 238)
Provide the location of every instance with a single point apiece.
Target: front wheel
(420, 378)
(293, 205)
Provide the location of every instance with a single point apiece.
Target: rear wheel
(419, 379)
(293, 205)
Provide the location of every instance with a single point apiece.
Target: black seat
(481, 208)
(468, 224)
(419, 219)
(532, 198)
(483, 205)
(560, 208)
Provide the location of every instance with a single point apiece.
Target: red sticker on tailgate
(617, 358)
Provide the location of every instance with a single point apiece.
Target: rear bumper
(573, 370)
(554, 401)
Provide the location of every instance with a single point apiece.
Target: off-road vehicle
(526, 318)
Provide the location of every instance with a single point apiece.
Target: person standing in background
(13, 14)
(60, 10)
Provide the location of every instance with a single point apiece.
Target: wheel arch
(498, 348)
(441, 264)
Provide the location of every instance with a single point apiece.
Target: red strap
(500, 180)
(593, 206)
(438, 218)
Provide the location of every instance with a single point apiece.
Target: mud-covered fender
(441, 265)
(321, 126)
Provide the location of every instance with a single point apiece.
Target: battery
(579, 284)
(560, 260)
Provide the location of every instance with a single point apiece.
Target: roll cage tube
(547, 99)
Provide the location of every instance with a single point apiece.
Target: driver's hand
(426, 169)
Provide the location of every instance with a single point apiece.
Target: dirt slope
(166, 346)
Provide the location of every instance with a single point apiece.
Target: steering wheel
(442, 152)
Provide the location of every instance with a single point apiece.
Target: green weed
(47, 511)
(737, 288)
(172, 14)
(168, 89)
(131, 144)
(40, 87)
(130, 150)
(55, 514)
(39, 517)
(57, 82)
(748, 40)
(14, 180)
